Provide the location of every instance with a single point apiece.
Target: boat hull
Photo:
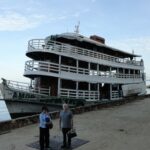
(21, 108)
(134, 89)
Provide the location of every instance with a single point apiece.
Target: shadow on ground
(56, 142)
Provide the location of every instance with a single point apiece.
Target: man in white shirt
(66, 124)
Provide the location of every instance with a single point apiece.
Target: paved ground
(125, 127)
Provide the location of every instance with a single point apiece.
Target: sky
(124, 24)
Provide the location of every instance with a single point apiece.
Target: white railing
(26, 87)
(18, 85)
(121, 75)
(39, 44)
(116, 95)
(83, 94)
(55, 68)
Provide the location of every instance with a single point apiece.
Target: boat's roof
(79, 37)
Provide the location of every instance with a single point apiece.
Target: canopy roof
(81, 38)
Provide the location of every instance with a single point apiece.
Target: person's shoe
(69, 147)
(63, 146)
(48, 148)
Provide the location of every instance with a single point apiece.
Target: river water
(148, 91)
(4, 114)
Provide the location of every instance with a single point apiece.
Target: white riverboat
(74, 66)
(71, 65)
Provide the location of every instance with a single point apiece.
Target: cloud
(79, 13)
(138, 45)
(23, 16)
(56, 18)
(66, 15)
(13, 21)
(93, 1)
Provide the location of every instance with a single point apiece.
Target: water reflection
(4, 113)
(148, 91)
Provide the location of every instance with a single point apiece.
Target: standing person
(66, 124)
(44, 119)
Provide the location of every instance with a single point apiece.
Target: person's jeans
(64, 131)
(44, 138)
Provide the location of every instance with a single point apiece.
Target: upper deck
(94, 43)
(36, 46)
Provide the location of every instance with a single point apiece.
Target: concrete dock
(125, 127)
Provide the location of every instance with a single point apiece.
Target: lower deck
(53, 87)
(74, 89)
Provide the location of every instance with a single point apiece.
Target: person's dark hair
(44, 108)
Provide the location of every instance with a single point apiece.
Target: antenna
(77, 27)
(133, 54)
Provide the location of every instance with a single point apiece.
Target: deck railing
(83, 94)
(116, 95)
(55, 68)
(39, 45)
(26, 87)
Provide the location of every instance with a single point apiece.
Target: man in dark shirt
(66, 124)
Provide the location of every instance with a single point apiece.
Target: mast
(77, 28)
